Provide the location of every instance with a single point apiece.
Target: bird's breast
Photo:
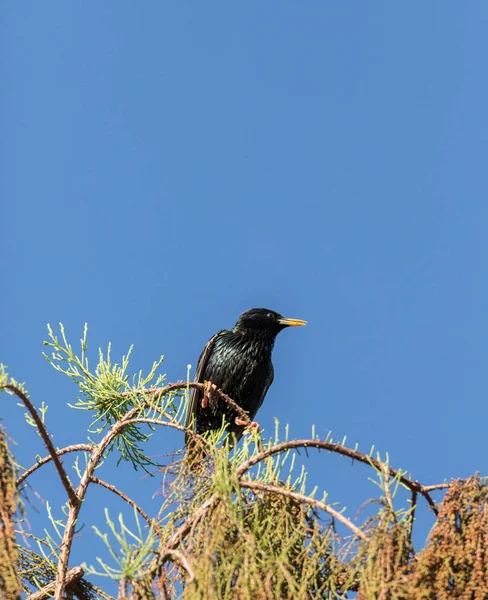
(242, 368)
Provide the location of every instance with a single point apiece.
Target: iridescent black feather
(238, 361)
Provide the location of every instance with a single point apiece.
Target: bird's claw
(207, 393)
(250, 427)
(253, 427)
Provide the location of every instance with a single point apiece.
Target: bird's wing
(199, 378)
(269, 381)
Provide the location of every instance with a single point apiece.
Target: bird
(237, 361)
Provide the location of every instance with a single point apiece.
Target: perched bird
(238, 361)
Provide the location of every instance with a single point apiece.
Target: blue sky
(165, 166)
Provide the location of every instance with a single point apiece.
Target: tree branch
(72, 576)
(152, 523)
(437, 486)
(180, 534)
(157, 393)
(117, 428)
(73, 498)
(339, 449)
(46, 459)
(187, 526)
(265, 487)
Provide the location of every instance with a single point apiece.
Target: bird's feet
(207, 393)
(253, 427)
(250, 426)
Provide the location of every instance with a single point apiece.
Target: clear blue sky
(167, 165)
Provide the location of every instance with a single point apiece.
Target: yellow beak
(292, 322)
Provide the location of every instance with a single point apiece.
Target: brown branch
(242, 413)
(115, 490)
(179, 535)
(73, 498)
(72, 576)
(171, 548)
(122, 424)
(265, 487)
(46, 459)
(437, 486)
(443, 486)
(187, 526)
(157, 393)
(339, 449)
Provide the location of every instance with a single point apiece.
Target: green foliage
(108, 392)
(247, 544)
(133, 553)
(232, 526)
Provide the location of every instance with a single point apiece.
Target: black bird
(238, 361)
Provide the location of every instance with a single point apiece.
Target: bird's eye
(270, 316)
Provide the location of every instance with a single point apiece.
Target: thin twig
(180, 534)
(339, 449)
(442, 486)
(46, 459)
(117, 427)
(151, 522)
(198, 514)
(73, 498)
(437, 486)
(265, 487)
(157, 393)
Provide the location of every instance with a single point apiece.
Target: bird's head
(263, 319)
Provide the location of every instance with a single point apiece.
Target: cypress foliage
(235, 526)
